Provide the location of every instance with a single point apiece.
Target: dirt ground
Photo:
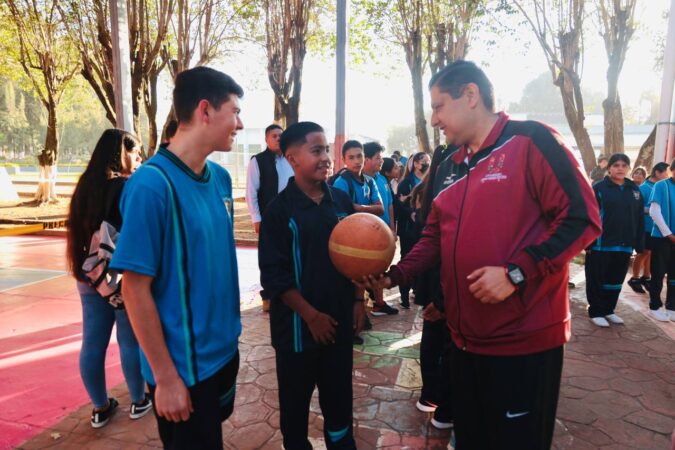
(16, 210)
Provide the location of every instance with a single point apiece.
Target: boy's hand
(432, 314)
(359, 316)
(322, 326)
(172, 400)
(373, 282)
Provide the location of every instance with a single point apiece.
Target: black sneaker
(383, 310)
(101, 418)
(138, 410)
(405, 305)
(357, 340)
(645, 282)
(636, 285)
(368, 325)
(442, 419)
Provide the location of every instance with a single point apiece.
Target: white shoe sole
(441, 425)
(604, 324)
(660, 319)
(614, 321)
(425, 408)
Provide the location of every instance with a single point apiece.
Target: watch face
(516, 276)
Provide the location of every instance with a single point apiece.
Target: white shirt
(284, 172)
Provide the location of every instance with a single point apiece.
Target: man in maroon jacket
(513, 209)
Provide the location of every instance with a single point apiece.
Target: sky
(379, 94)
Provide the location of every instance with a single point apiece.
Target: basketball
(361, 244)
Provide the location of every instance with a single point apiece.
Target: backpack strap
(349, 178)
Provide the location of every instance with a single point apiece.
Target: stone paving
(618, 391)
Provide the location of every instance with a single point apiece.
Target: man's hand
(322, 326)
(359, 316)
(172, 400)
(490, 284)
(671, 238)
(432, 314)
(256, 225)
(373, 282)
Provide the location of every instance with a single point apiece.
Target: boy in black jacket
(314, 309)
(607, 259)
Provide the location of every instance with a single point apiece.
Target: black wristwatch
(516, 276)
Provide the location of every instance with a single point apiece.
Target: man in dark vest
(268, 174)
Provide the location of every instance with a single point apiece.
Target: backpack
(346, 174)
(96, 267)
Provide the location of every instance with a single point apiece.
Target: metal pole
(664, 121)
(340, 82)
(121, 64)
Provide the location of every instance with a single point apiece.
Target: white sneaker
(613, 318)
(671, 315)
(659, 315)
(600, 321)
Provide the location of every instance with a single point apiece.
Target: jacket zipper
(454, 260)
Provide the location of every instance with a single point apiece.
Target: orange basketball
(361, 244)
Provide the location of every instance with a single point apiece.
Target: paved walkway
(618, 389)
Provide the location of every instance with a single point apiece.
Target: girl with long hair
(95, 199)
(404, 211)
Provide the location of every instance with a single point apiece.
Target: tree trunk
(420, 121)
(575, 119)
(151, 111)
(414, 60)
(613, 116)
(645, 156)
(46, 190)
(279, 112)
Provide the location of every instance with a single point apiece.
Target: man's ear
(290, 157)
(472, 93)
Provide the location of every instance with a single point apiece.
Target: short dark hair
(274, 126)
(297, 134)
(201, 83)
(659, 167)
(387, 165)
(639, 169)
(454, 77)
(170, 129)
(616, 157)
(350, 144)
(396, 152)
(602, 158)
(672, 165)
(370, 149)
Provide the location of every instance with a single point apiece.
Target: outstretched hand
(374, 282)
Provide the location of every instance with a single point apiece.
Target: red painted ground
(40, 339)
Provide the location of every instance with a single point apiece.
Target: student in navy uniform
(405, 224)
(366, 198)
(176, 248)
(267, 175)
(662, 211)
(607, 259)
(314, 309)
(642, 263)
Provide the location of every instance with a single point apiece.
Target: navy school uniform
(622, 215)
(293, 253)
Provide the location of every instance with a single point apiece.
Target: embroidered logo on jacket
(494, 169)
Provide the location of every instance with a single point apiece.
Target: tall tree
(617, 25)
(447, 31)
(558, 26)
(46, 56)
(202, 30)
(148, 22)
(286, 34)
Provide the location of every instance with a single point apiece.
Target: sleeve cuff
(527, 264)
(395, 275)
